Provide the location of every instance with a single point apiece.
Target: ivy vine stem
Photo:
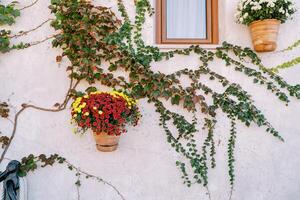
(30, 5)
(61, 107)
(22, 33)
(94, 39)
(31, 162)
(89, 175)
(231, 147)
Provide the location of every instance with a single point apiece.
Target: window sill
(184, 46)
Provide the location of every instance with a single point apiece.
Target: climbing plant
(31, 162)
(97, 44)
(8, 13)
(291, 63)
(293, 46)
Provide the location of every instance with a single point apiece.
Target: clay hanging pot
(105, 142)
(264, 34)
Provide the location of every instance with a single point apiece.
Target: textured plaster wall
(144, 165)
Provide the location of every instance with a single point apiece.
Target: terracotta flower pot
(264, 34)
(105, 142)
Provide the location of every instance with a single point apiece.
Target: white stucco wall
(144, 165)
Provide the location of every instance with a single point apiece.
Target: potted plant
(263, 18)
(106, 114)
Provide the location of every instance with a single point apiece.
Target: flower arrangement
(105, 112)
(249, 11)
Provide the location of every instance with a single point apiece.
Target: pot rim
(104, 134)
(264, 20)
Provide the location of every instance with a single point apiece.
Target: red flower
(114, 116)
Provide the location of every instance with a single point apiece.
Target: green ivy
(288, 64)
(97, 44)
(293, 46)
(5, 46)
(8, 13)
(93, 38)
(285, 65)
(230, 151)
(32, 162)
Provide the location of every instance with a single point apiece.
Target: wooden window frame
(212, 25)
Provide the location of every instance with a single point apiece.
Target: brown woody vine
(97, 44)
(93, 39)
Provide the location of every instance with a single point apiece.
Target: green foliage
(285, 65)
(185, 177)
(5, 46)
(293, 46)
(84, 28)
(8, 14)
(230, 151)
(209, 142)
(31, 162)
(4, 41)
(93, 38)
(288, 64)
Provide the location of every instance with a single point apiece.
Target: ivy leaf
(97, 75)
(167, 94)
(155, 93)
(175, 99)
(22, 173)
(112, 67)
(91, 89)
(137, 91)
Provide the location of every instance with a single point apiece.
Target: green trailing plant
(8, 13)
(286, 65)
(293, 46)
(31, 163)
(231, 146)
(5, 45)
(290, 63)
(98, 44)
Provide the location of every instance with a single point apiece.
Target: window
(187, 21)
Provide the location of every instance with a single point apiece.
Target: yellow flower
(82, 105)
(77, 106)
(129, 100)
(75, 115)
(76, 103)
(100, 112)
(86, 114)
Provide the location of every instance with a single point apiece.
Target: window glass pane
(186, 19)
